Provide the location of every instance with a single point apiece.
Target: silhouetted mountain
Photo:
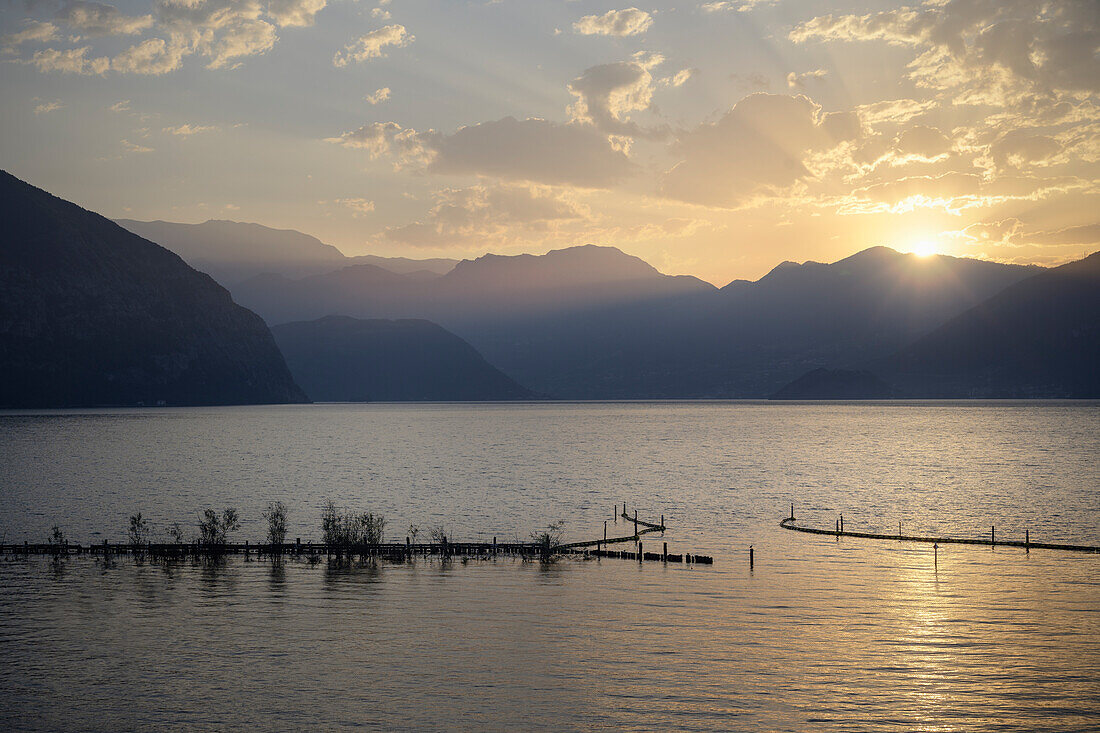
(835, 384)
(1037, 338)
(544, 320)
(754, 337)
(231, 251)
(595, 323)
(91, 314)
(425, 268)
(341, 359)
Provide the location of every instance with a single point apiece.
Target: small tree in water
(276, 523)
(214, 530)
(550, 538)
(344, 529)
(57, 538)
(139, 530)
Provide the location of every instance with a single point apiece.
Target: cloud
(952, 192)
(123, 106)
(378, 96)
(33, 32)
(741, 6)
(798, 81)
(922, 142)
(993, 51)
(151, 57)
(69, 61)
(373, 44)
(678, 79)
(607, 93)
(380, 14)
(1018, 149)
(289, 13)
(46, 107)
(187, 130)
(97, 19)
(758, 147)
(629, 22)
(532, 150)
(358, 206)
(130, 147)
(499, 214)
(1082, 234)
(384, 139)
(245, 38)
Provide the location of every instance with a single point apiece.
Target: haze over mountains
(231, 251)
(82, 296)
(342, 359)
(594, 323)
(91, 314)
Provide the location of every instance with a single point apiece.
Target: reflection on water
(823, 634)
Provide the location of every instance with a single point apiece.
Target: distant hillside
(835, 384)
(341, 359)
(1037, 338)
(91, 314)
(231, 251)
(595, 323)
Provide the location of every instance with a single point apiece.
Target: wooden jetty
(992, 541)
(395, 551)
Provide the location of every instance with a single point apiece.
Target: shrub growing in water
(139, 530)
(214, 530)
(345, 529)
(276, 523)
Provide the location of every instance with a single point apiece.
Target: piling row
(1026, 543)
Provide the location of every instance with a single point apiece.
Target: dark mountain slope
(341, 359)
(231, 251)
(91, 314)
(1037, 338)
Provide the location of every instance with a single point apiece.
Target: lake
(825, 634)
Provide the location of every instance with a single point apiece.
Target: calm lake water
(849, 635)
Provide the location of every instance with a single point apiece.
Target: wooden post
(615, 514)
(1027, 541)
(408, 546)
(792, 511)
(841, 522)
(635, 522)
(298, 545)
(664, 552)
(750, 557)
(935, 555)
(495, 542)
(993, 534)
(837, 530)
(639, 552)
(899, 529)
(605, 532)
(662, 524)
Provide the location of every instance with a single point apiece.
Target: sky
(709, 138)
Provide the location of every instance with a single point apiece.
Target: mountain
(835, 384)
(547, 320)
(595, 323)
(231, 251)
(341, 359)
(404, 266)
(91, 314)
(760, 335)
(1037, 338)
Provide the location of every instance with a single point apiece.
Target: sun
(924, 248)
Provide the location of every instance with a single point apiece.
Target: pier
(394, 551)
(991, 541)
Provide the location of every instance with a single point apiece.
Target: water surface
(849, 635)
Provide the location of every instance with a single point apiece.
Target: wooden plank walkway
(1027, 544)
